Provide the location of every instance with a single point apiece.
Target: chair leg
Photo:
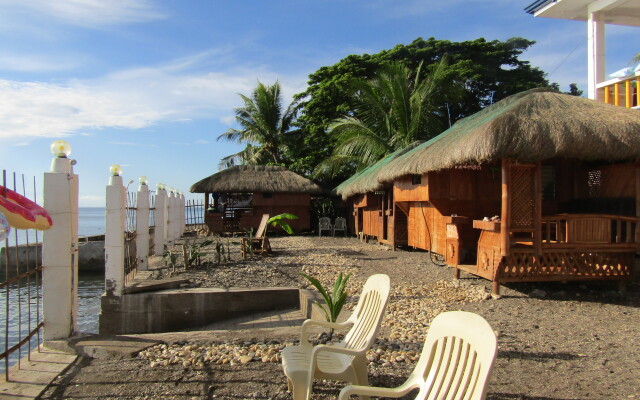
(362, 376)
(300, 392)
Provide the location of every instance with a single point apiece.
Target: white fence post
(60, 246)
(160, 220)
(142, 225)
(171, 221)
(114, 236)
(183, 217)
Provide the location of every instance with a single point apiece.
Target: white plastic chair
(455, 363)
(340, 225)
(346, 360)
(324, 224)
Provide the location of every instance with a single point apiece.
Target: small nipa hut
(237, 197)
(540, 186)
(374, 214)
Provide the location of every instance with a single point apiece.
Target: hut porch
(560, 220)
(239, 212)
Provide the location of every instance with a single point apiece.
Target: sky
(151, 84)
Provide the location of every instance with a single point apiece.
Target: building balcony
(621, 91)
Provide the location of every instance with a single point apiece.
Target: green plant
(170, 259)
(248, 245)
(335, 300)
(278, 221)
(192, 254)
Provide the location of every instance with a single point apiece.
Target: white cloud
(228, 119)
(32, 63)
(132, 99)
(90, 13)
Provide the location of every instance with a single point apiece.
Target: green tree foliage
(265, 127)
(573, 89)
(489, 71)
(279, 221)
(391, 110)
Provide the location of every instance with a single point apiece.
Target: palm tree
(392, 110)
(264, 127)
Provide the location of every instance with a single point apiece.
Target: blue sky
(151, 84)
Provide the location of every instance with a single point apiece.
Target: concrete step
(29, 378)
(142, 285)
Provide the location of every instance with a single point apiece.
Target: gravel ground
(556, 341)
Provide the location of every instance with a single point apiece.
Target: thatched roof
(367, 180)
(255, 179)
(535, 125)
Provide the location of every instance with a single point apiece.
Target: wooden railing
(595, 230)
(622, 91)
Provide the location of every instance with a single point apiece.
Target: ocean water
(90, 222)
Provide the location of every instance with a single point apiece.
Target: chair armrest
(334, 349)
(307, 323)
(375, 391)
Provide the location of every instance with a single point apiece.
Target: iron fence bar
(24, 189)
(22, 275)
(15, 189)
(18, 345)
(7, 290)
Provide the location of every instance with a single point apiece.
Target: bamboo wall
(473, 193)
(298, 204)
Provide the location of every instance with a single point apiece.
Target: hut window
(267, 195)
(416, 179)
(548, 182)
(594, 180)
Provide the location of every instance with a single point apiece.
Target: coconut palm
(264, 127)
(394, 108)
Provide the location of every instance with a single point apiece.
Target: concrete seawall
(91, 257)
(177, 309)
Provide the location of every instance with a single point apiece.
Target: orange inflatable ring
(22, 213)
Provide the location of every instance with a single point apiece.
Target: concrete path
(29, 378)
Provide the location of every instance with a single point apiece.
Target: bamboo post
(60, 247)
(637, 238)
(506, 207)
(537, 218)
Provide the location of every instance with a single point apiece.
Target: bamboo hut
(237, 197)
(540, 186)
(374, 212)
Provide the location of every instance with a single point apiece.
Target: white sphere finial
(115, 170)
(61, 148)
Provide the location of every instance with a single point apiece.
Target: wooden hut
(236, 197)
(540, 186)
(374, 211)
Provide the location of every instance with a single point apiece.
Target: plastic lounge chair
(260, 242)
(340, 225)
(455, 363)
(345, 360)
(324, 224)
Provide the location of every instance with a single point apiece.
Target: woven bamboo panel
(616, 180)
(522, 196)
(566, 265)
